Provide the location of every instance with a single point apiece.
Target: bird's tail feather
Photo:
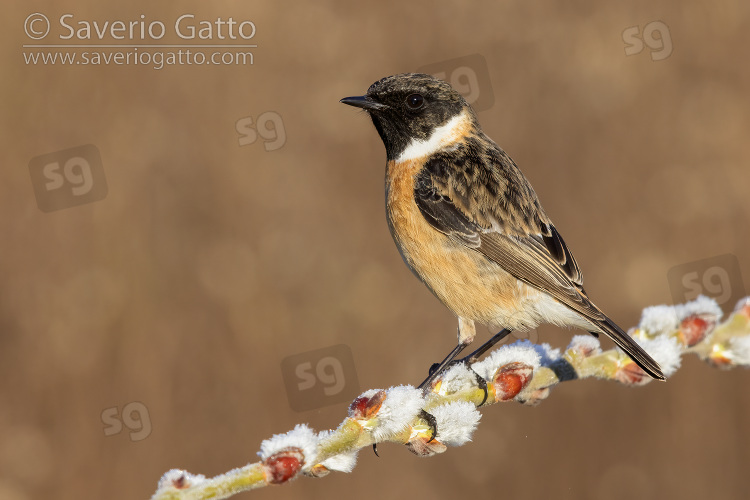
(631, 348)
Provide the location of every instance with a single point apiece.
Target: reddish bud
(511, 379)
(537, 396)
(743, 307)
(584, 346)
(284, 465)
(585, 351)
(180, 482)
(366, 407)
(694, 328)
(719, 361)
(422, 446)
(719, 357)
(319, 470)
(632, 374)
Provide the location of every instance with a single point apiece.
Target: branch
(447, 416)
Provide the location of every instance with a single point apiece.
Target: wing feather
(491, 208)
(476, 194)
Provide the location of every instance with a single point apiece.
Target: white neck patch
(442, 137)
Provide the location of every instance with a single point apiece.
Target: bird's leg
(466, 333)
(435, 370)
(474, 356)
(431, 421)
(439, 368)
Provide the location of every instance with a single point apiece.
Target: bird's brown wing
(484, 201)
(478, 196)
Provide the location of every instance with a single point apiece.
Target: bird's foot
(431, 422)
(438, 369)
(466, 362)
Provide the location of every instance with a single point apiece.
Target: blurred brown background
(209, 262)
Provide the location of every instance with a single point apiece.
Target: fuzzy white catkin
(521, 351)
(739, 349)
(172, 475)
(343, 462)
(456, 422)
(658, 319)
(458, 378)
(665, 350)
(402, 404)
(701, 306)
(665, 319)
(301, 437)
(586, 343)
(547, 353)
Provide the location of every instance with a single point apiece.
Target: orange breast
(467, 282)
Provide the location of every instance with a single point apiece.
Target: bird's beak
(364, 102)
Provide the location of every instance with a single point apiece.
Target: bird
(469, 225)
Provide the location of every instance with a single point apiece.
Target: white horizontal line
(137, 46)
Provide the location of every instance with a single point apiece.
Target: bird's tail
(627, 344)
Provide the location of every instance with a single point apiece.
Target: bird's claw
(431, 421)
(467, 362)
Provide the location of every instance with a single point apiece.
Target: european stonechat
(469, 225)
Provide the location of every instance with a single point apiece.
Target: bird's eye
(415, 101)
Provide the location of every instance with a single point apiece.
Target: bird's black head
(409, 107)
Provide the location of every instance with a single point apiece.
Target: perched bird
(468, 223)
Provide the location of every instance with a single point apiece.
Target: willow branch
(427, 424)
